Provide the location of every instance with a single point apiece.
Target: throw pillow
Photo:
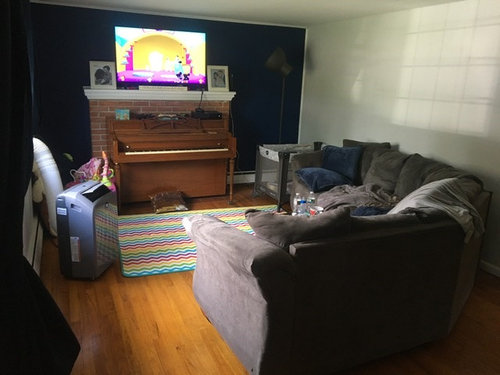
(385, 168)
(447, 196)
(344, 160)
(366, 157)
(283, 230)
(369, 211)
(321, 179)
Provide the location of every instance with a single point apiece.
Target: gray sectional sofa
(315, 295)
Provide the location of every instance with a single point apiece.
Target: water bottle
(295, 204)
(310, 201)
(299, 204)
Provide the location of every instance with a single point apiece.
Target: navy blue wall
(67, 38)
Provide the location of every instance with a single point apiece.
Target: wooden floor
(152, 325)
(243, 197)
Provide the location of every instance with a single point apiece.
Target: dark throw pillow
(369, 211)
(344, 160)
(321, 179)
(283, 230)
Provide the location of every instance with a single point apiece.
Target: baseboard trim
(244, 178)
(490, 268)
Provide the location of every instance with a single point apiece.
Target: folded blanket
(447, 196)
(368, 195)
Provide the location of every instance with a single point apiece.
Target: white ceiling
(275, 12)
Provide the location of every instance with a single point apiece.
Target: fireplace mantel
(156, 94)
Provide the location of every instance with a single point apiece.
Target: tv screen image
(160, 57)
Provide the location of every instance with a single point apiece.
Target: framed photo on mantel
(102, 75)
(218, 78)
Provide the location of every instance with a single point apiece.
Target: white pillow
(447, 196)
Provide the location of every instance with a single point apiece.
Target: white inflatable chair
(48, 185)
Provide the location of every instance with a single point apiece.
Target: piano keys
(175, 151)
(188, 155)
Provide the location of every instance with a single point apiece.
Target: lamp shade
(277, 62)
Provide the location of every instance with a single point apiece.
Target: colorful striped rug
(152, 244)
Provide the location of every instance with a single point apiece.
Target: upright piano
(183, 154)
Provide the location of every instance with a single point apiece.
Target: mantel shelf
(103, 94)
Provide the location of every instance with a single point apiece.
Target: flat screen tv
(160, 57)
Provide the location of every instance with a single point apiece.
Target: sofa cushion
(321, 179)
(469, 183)
(366, 156)
(306, 159)
(385, 168)
(418, 171)
(283, 230)
(413, 174)
(344, 160)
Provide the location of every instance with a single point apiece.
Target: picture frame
(102, 75)
(218, 78)
(122, 114)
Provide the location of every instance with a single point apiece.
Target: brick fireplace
(102, 104)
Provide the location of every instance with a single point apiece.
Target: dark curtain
(34, 336)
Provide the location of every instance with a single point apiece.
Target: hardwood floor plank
(153, 325)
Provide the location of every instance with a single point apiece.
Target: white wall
(425, 79)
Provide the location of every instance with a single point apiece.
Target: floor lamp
(277, 63)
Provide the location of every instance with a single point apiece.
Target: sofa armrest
(306, 159)
(245, 253)
(470, 258)
(299, 161)
(245, 286)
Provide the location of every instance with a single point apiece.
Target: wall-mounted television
(160, 57)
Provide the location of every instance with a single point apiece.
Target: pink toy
(107, 174)
(88, 171)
